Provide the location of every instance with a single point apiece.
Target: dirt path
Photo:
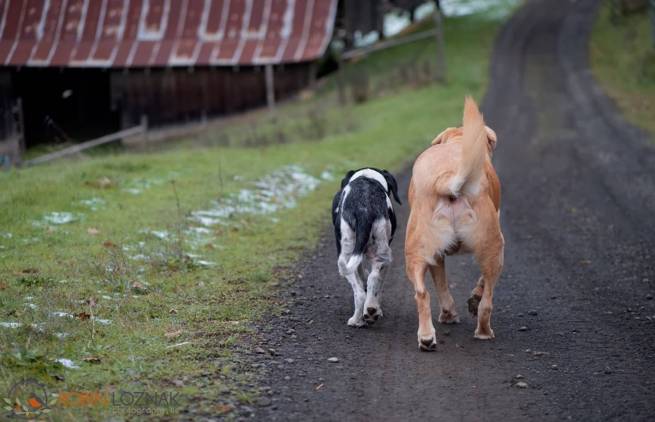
(578, 206)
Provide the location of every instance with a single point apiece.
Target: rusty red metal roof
(151, 33)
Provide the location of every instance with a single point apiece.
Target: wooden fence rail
(112, 137)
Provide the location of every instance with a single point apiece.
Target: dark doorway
(69, 105)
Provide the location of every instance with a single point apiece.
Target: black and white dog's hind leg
(349, 267)
(379, 255)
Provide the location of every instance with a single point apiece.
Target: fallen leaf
(173, 334)
(93, 231)
(82, 316)
(139, 287)
(109, 244)
(223, 409)
(3, 286)
(30, 271)
(92, 359)
(101, 183)
(173, 311)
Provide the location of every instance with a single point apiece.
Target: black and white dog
(364, 224)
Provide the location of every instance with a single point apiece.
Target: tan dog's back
(454, 195)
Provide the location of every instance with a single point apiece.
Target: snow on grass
(94, 204)
(58, 218)
(269, 194)
(61, 314)
(137, 186)
(273, 192)
(67, 363)
(101, 321)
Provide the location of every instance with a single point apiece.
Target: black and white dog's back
(364, 224)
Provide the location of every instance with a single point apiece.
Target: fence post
(270, 86)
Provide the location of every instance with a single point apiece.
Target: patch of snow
(101, 321)
(395, 22)
(67, 363)
(133, 191)
(271, 193)
(362, 40)
(494, 9)
(160, 234)
(94, 204)
(61, 314)
(137, 186)
(62, 336)
(204, 263)
(327, 175)
(10, 324)
(6, 235)
(58, 218)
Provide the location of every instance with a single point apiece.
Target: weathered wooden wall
(179, 95)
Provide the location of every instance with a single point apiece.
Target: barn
(76, 69)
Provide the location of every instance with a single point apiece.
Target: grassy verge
(623, 61)
(140, 272)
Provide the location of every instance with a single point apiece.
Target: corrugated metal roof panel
(145, 33)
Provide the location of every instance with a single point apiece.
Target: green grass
(172, 318)
(623, 61)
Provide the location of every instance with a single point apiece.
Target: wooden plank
(112, 137)
(360, 52)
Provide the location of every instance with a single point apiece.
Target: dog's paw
(372, 314)
(428, 343)
(473, 303)
(484, 335)
(356, 321)
(448, 317)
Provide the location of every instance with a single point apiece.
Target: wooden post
(19, 129)
(441, 50)
(341, 83)
(270, 86)
(652, 20)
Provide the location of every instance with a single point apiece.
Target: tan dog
(454, 197)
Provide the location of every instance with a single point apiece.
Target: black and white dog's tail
(362, 234)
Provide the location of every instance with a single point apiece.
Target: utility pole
(652, 20)
(441, 50)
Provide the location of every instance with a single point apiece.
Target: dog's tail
(362, 234)
(474, 152)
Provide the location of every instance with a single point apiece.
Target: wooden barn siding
(169, 96)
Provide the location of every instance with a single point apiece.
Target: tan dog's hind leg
(427, 338)
(490, 257)
(476, 296)
(448, 313)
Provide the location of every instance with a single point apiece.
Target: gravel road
(574, 314)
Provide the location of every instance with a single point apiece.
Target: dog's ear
(444, 135)
(346, 178)
(491, 137)
(393, 185)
